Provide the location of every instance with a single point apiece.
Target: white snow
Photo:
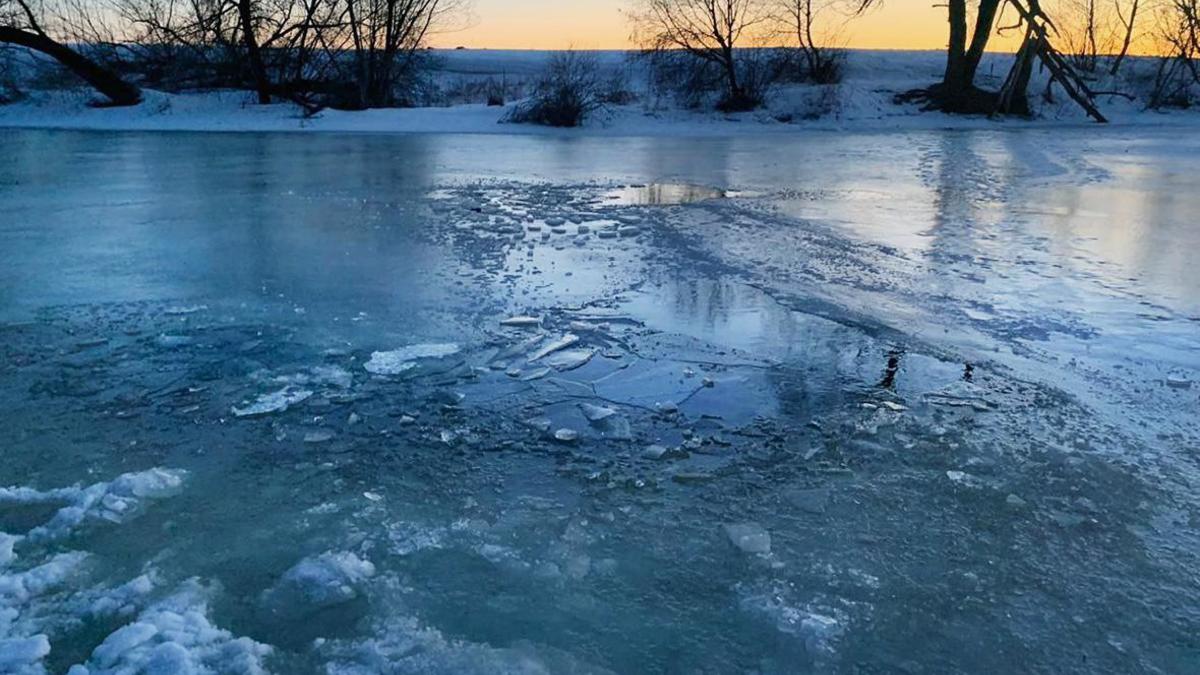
(864, 100)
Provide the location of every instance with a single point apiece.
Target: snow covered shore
(864, 101)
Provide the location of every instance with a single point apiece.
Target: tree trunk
(106, 82)
(1116, 66)
(984, 19)
(257, 69)
(957, 48)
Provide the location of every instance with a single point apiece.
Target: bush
(823, 65)
(616, 90)
(696, 83)
(566, 94)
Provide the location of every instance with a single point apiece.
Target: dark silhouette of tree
(20, 25)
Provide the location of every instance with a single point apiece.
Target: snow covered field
(918, 401)
(862, 101)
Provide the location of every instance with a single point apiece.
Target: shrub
(565, 95)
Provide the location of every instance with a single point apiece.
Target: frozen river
(909, 402)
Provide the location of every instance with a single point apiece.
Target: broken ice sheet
(397, 361)
(276, 401)
(561, 343)
(569, 359)
(521, 321)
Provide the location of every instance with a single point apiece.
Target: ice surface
(889, 308)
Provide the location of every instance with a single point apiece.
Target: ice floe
(397, 361)
(276, 401)
(324, 580)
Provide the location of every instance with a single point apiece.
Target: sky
(601, 24)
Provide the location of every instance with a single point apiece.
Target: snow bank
(864, 100)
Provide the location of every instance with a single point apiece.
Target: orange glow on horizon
(603, 24)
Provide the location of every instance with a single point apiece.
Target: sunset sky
(600, 24)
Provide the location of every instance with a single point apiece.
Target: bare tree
(814, 27)
(708, 30)
(1128, 22)
(383, 39)
(23, 24)
(1177, 80)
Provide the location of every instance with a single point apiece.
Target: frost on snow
(399, 360)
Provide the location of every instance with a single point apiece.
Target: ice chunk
(749, 537)
(21, 586)
(818, 629)
(276, 401)
(654, 452)
(397, 361)
(535, 374)
(596, 413)
(318, 436)
(19, 656)
(566, 435)
(1178, 381)
(561, 343)
(115, 501)
(176, 635)
(569, 359)
(7, 541)
(522, 321)
(328, 579)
